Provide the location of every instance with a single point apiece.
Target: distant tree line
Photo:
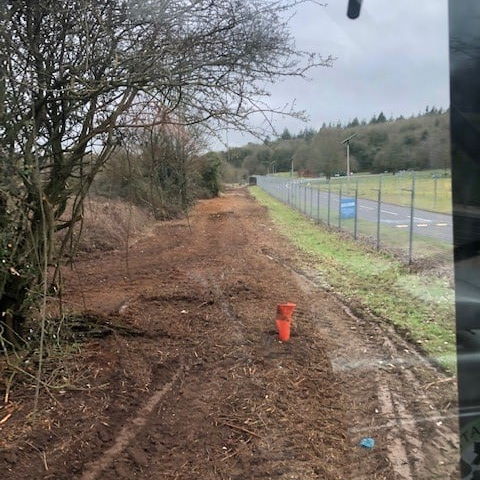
(381, 145)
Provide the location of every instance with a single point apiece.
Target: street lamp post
(347, 142)
(272, 165)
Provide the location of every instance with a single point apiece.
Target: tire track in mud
(127, 434)
(398, 374)
(397, 448)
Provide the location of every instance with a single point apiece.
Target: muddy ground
(199, 387)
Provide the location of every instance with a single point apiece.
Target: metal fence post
(355, 222)
(412, 212)
(305, 199)
(340, 207)
(318, 205)
(311, 202)
(329, 201)
(379, 207)
(309, 194)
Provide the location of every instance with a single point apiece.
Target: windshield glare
(227, 240)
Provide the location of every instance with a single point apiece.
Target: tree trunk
(12, 303)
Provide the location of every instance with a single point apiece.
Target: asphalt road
(426, 223)
(430, 224)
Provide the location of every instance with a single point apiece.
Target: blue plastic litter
(367, 442)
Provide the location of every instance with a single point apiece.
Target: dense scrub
(161, 170)
(110, 224)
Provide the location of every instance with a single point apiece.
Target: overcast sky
(394, 59)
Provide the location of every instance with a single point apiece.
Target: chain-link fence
(409, 215)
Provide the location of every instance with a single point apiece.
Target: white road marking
(422, 224)
(442, 224)
(366, 208)
(391, 213)
(401, 226)
(421, 219)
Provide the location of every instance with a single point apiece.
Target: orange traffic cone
(284, 320)
(283, 327)
(285, 310)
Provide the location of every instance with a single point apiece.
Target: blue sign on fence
(347, 207)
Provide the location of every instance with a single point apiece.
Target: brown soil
(206, 391)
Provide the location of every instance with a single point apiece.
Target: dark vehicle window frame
(465, 144)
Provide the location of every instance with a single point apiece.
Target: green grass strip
(420, 306)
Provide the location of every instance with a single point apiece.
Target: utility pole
(348, 159)
(347, 143)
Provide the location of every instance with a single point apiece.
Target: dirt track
(207, 392)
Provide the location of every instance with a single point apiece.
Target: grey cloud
(394, 59)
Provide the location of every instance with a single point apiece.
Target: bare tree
(71, 73)
(164, 159)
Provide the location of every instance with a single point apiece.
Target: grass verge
(419, 306)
